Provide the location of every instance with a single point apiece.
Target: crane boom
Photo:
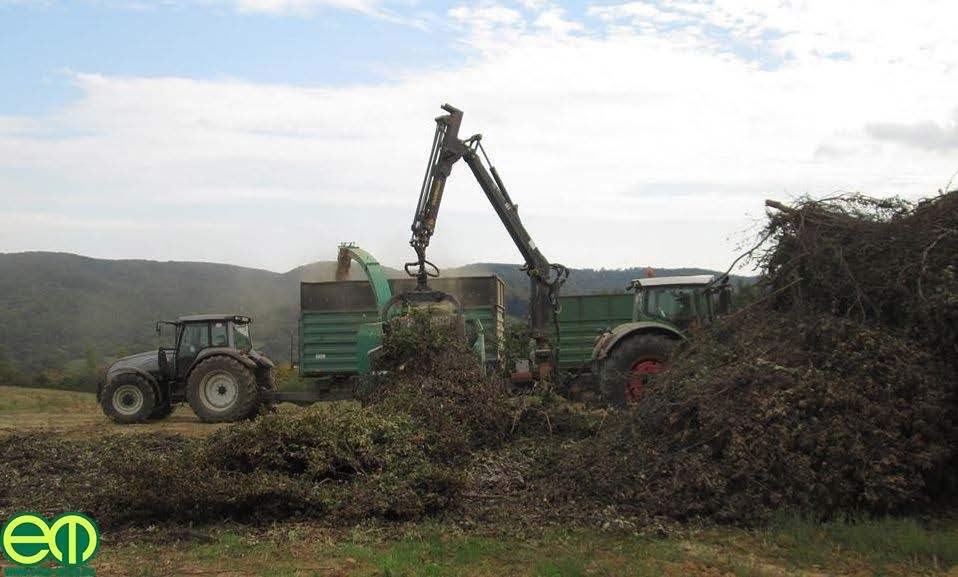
(545, 278)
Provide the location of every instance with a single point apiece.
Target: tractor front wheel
(221, 390)
(626, 372)
(128, 399)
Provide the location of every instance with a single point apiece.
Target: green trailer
(582, 319)
(333, 312)
(341, 323)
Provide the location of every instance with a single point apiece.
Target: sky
(262, 133)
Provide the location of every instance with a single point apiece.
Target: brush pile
(885, 262)
(338, 465)
(819, 415)
(432, 374)
(835, 394)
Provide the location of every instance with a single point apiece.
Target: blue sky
(631, 132)
(42, 41)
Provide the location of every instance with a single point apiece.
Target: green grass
(567, 566)
(885, 541)
(228, 545)
(429, 554)
(789, 546)
(35, 399)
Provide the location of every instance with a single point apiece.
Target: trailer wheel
(221, 389)
(127, 399)
(626, 372)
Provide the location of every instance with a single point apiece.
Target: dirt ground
(78, 415)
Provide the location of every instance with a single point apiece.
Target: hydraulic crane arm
(545, 278)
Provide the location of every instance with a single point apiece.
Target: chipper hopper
(342, 323)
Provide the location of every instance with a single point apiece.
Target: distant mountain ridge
(60, 307)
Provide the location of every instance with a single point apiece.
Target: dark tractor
(629, 356)
(212, 366)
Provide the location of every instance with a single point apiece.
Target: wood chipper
(342, 322)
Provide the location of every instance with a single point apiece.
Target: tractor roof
(212, 317)
(693, 280)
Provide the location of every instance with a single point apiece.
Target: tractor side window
(673, 304)
(219, 334)
(241, 337)
(196, 337)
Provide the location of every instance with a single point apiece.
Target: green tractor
(627, 357)
(212, 366)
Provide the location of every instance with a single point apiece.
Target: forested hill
(56, 308)
(63, 311)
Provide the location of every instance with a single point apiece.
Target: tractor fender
(260, 359)
(114, 373)
(609, 340)
(220, 352)
(257, 363)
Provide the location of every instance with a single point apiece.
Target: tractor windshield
(678, 305)
(241, 337)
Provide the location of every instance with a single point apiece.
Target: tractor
(627, 357)
(212, 366)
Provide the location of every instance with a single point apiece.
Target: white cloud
(927, 135)
(554, 20)
(624, 144)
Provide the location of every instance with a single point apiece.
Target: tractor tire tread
(620, 360)
(248, 390)
(146, 388)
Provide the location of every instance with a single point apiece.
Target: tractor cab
(682, 301)
(196, 333)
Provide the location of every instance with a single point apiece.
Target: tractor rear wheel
(127, 399)
(626, 372)
(221, 390)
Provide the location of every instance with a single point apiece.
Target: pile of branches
(430, 372)
(339, 464)
(762, 413)
(834, 393)
(888, 262)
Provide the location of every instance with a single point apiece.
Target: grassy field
(790, 547)
(79, 415)
(787, 546)
(24, 400)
